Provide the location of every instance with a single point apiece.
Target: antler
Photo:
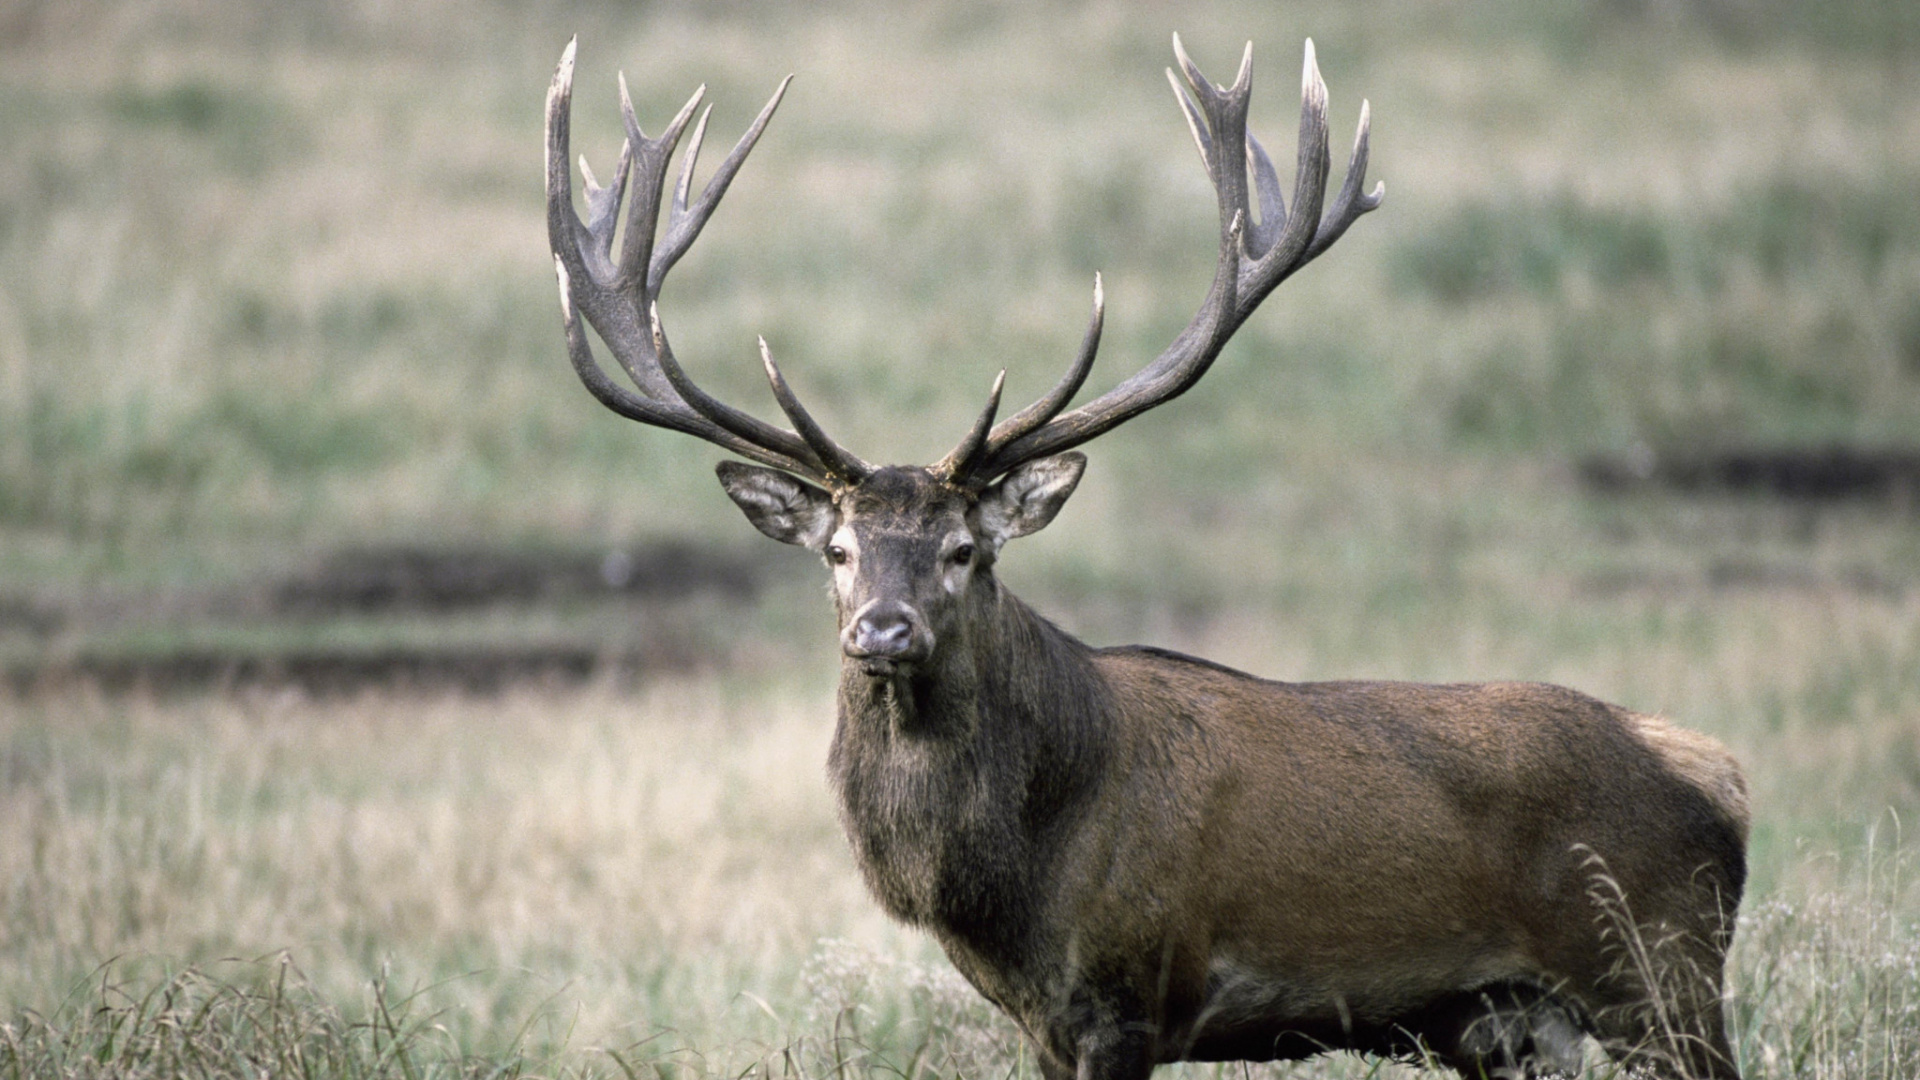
(1255, 257)
(619, 298)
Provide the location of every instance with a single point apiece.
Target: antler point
(699, 95)
(1311, 85)
(562, 87)
(1187, 66)
(627, 114)
(779, 93)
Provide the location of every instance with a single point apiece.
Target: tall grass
(541, 883)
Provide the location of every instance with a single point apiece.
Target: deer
(1143, 857)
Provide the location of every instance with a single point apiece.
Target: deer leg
(1511, 1032)
(1052, 1065)
(1117, 1052)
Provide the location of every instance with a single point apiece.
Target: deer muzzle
(886, 634)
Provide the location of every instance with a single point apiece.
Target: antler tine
(688, 160)
(1309, 187)
(618, 299)
(583, 250)
(841, 463)
(643, 214)
(1254, 257)
(961, 459)
(603, 203)
(1273, 207)
(1197, 127)
(685, 222)
(1350, 203)
(1038, 413)
(564, 226)
(1169, 376)
(1222, 112)
(647, 410)
(726, 417)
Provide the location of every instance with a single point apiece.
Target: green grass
(273, 280)
(284, 281)
(1833, 357)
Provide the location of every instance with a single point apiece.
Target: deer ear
(789, 510)
(1025, 500)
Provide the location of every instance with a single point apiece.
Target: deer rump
(1239, 869)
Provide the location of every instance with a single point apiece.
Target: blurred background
(339, 624)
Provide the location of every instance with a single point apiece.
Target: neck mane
(981, 759)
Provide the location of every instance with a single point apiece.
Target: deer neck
(955, 781)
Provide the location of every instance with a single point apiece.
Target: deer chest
(939, 844)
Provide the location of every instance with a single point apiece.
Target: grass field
(274, 282)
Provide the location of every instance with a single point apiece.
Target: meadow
(274, 283)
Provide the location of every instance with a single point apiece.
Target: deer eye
(963, 555)
(836, 555)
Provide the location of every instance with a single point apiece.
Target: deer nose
(883, 630)
(884, 637)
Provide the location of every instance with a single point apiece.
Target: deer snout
(886, 633)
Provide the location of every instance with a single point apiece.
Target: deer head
(911, 548)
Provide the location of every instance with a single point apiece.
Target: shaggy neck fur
(959, 779)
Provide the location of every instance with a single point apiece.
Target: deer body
(1250, 882)
(1143, 857)
(1137, 850)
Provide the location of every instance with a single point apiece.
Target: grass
(536, 883)
(273, 280)
(237, 1020)
(1829, 366)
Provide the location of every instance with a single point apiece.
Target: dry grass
(533, 882)
(604, 868)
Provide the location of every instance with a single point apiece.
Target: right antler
(1255, 257)
(619, 298)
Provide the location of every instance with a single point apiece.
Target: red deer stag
(1142, 857)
